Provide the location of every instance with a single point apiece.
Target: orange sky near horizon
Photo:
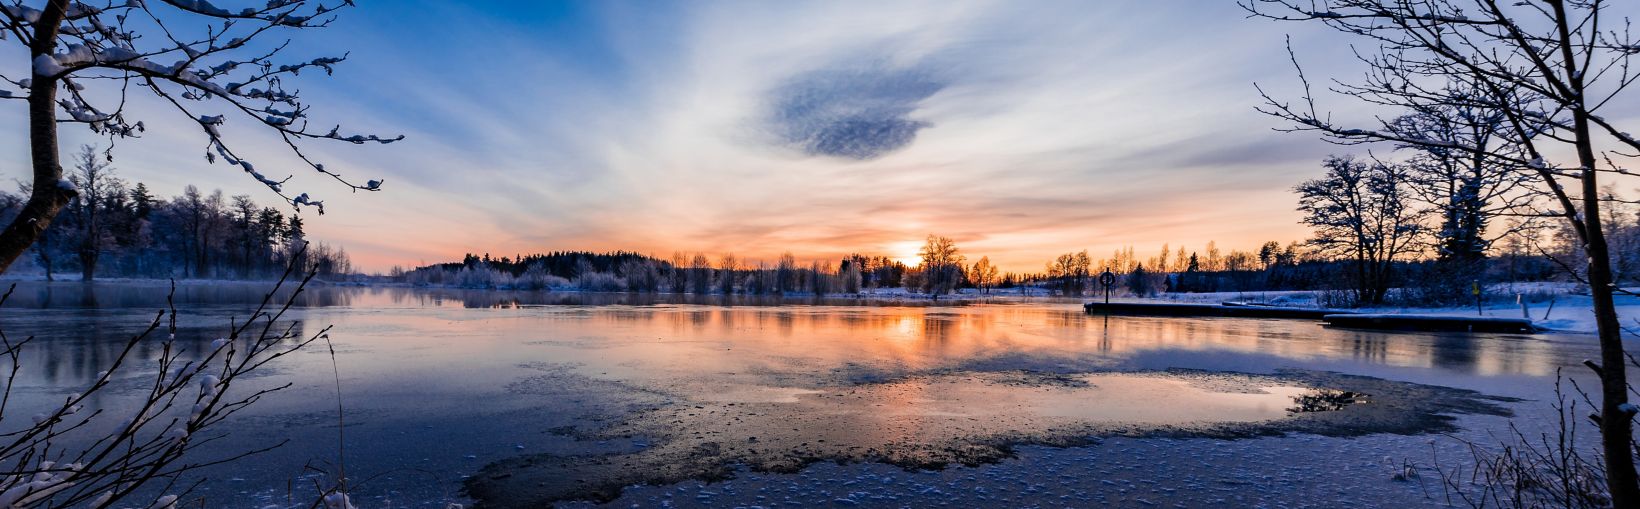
(818, 128)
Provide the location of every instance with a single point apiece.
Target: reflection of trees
(937, 331)
(151, 294)
(77, 339)
(72, 347)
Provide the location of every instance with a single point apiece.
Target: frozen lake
(526, 398)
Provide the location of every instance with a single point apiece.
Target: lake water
(521, 393)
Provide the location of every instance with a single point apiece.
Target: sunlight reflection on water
(472, 376)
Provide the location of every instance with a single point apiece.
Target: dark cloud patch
(853, 113)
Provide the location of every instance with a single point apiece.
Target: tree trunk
(44, 248)
(1616, 425)
(46, 197)
(91, 245)
(88, 265)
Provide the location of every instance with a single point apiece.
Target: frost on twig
(228, 69)
(116, 457)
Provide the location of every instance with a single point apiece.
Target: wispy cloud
(1021, 128)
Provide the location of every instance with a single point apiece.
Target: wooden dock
(1332, 317)
(1428, 323)
(1227, 309)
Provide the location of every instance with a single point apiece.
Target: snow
(201, 6)
(208, 385)
(1557, 307)
(165, 502)
(26, 490)
(338, 501)
(211, 122)
(45, 65)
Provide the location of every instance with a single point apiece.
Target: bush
(599, 282)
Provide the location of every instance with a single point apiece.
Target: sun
(907, 252)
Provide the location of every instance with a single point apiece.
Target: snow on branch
(73, 43)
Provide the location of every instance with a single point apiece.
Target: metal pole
(1478, 299)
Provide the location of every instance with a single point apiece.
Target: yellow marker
(1477, 288)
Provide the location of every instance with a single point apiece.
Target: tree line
(942, 269)
(112, 228)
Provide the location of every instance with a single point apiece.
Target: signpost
(1107, 279)
(1477, 291)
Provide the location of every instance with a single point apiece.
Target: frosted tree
(94, 177)
(1549, 67)
(89, 60)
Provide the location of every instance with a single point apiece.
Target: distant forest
(116, 229)
(1273, 267)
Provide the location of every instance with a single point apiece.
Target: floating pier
(1428, 323)
(1332, 317)
(1225, 309)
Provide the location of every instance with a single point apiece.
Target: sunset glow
(1028, 132)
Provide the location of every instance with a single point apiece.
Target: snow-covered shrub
(641, 276)
(599, 282)
(537, 278)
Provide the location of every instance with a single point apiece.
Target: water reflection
(81, 325)
(463, 371)
(150, 293)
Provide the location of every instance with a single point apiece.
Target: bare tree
(786, 279)
(100, 51)
(700, 274)
(1549, 67)
(1467, 189)
(1070, 271)
(941, 265)
(1361, 211)
(94, 177)
(727, 267)
(984, 274)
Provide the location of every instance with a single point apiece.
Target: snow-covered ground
(1560, 307)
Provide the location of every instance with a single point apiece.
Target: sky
(1020, 129)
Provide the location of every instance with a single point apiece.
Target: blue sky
(1021, 129)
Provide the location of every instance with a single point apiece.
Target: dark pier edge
(1333, 317)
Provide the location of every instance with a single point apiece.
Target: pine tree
(142, 201)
